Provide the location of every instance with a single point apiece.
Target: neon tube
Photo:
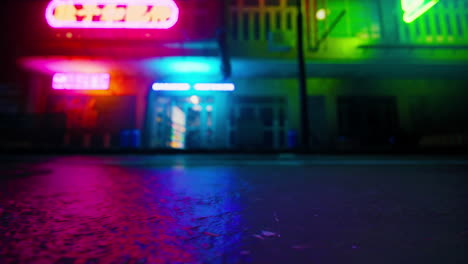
(171, 86)
(415, 8)
(144, 14)
(229, 87)
(81, 81)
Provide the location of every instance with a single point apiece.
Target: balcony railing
(255, 23)
(445, 23)
(273, 22)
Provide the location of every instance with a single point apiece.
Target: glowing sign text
(81, 81)
(149, 14)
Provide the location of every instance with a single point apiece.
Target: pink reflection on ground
(100, 213)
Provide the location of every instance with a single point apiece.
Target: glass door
(199, 125)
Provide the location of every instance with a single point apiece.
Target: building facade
(379, 75)
(201, 74)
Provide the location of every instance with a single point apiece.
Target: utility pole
(305, 135)
(222, 39)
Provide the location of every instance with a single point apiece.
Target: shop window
(261, 121)
(193, 118)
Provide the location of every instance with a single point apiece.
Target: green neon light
(415, 8)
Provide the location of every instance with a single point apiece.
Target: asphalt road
(233, 209)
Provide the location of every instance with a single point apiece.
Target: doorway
(183, 122)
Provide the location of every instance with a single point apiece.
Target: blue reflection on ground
(110, 213)
(241, 209)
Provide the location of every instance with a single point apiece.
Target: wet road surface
(233, 209)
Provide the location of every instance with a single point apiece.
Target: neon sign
(144, 14)
(415, 8)
(81, 81)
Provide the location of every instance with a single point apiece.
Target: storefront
(189, 116)
(121, 73)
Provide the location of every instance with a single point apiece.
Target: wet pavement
(233, 209)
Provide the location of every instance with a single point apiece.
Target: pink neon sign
(81, 81)
(144, 14)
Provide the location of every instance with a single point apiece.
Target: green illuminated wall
(413, 9)
(421, 104)
(438, 25)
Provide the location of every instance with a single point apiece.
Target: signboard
(134, 14)
(81, 81)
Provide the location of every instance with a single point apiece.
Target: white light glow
(214, 87)
(321, 14)
(194, 99)
(171, 86)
